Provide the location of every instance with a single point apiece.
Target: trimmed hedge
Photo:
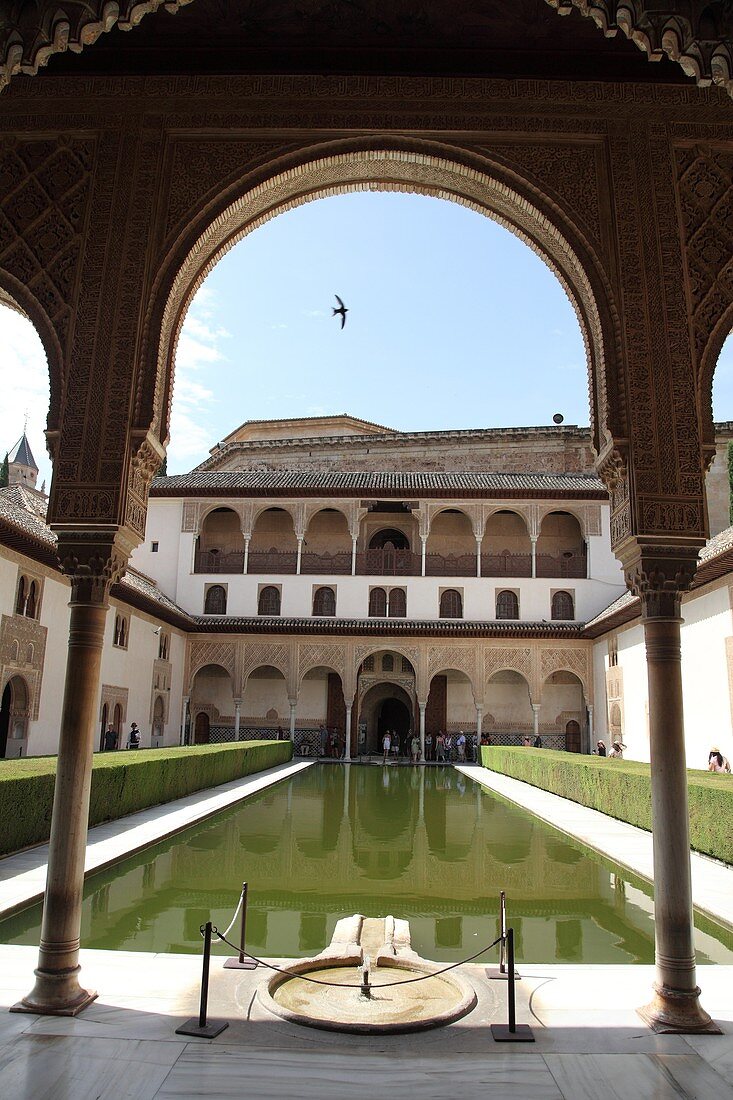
(622, 789)
(123, 782)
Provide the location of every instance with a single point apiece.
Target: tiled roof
(270, 482)
(231, 624)
(22, 454)
(148, 589)
(627, 604)
(20, 507)
(718, 544)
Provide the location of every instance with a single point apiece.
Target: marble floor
(712, 882)
(23, 875)
(590, 1045)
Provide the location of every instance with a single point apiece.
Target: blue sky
(453, 323)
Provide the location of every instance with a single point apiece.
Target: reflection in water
(426, 844)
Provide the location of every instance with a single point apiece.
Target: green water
(425, 844)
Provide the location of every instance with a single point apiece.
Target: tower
(22, 469)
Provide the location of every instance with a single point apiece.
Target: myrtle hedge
(622, 789)
(123, 782)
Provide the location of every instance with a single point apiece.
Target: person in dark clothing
(110, 738)
(133, 741)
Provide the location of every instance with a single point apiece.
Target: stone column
(536, 718)
(57, 991)
(533, 540)
(478, 557)
(237, 714)
(293, 703)
(245, 567)
(347, 749)
(184, 716)
(353, 556)
(424, 541)
(589, 708)
(300, 555)
(422, 707)
(479, 724)
(675, 1006)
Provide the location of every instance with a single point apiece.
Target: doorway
(572, 737)
(201, 729)
(394, 715)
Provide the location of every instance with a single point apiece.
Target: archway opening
(14, 718)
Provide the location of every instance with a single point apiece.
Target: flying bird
(342, 310)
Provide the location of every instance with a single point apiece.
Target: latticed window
(215, 602)
(368, 665)
(397, 603)
(562, 606)
(451, 604)
(269, 601)
(507, 605)
(324, 602)
(387, 663)
(407, 666)
(377, 603)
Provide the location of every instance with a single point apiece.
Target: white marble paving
(712, 882)
(23, 876)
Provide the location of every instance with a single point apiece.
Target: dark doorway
(201, 729)
(393, 715)
(572, 737)
(103, 728)
(5, 718)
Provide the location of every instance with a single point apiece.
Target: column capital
(659, 575)
(93, 559)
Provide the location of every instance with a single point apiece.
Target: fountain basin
(408, 1006)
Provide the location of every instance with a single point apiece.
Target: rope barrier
(338, 985)
(237, 911)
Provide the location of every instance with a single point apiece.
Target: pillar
(478, 557)
(300, 554)
(57, 991)
(424, 541)
(675, 1006)
(184, 716)
(347, 749)
(353, 557)
(533, 540)
(479, 724)
(293, 703)
(536, 719)
(589, 708)
(422, 707)
(245, 567)
(237, 715)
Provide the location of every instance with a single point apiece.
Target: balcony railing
(272, 561)
(339, 563)
(506, 565)
(569, 563)
(216, 561)
(450, 565)
(388, 563)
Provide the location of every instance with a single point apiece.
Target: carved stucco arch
(473, 516)
(565, 506)
(283, 505)
(445, 669)
(516, 510)
(388, 164)
(209, 664)
(706, 378)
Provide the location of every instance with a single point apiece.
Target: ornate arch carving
(313, 655)
(202, 653)
(576, 661)
(517, 659)
(257, 654)
(454, 658)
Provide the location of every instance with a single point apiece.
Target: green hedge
(622, 789)
(123, 782)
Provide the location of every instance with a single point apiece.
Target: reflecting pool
(425, 844)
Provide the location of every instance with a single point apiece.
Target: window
(153, 547)
(269, 601)
(387, 663)
(120, 632)
(215, 601)
(30, 603)
(613, 652)
(397, 603)
(562, 606)
(163, 646)
(507, 605)
(28, 598)
(20, 601)
(324, 602)
(368, 665)
(407, 667)
(451, 604)
(377, 603)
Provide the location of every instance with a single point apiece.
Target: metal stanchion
(240, 963)
(198, 1025)
(501, 973)
(511, 1032)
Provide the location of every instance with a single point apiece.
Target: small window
(377, 603)
(407, 666)
(613, 652)
(30, 603)
(120, 632)
(215, 601)
(507, 605)
(387, 663)
(163, 646)
(562, 606)
(451, 604)
(324, 602)
(20, 600)
(153, 547)
(269, 601)
(368, 665)
(397, 603)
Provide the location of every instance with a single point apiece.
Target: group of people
(331, 743)
(444, 748)
(616, 753)
(391, 746)
(112, 738)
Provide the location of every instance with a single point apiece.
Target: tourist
(322, 739)
(717, 762)
(386, 746)
(395, 744)
(415, 748)
(617, 750)
(448, 744)
(461, 747)
(133, 741)
(110, 738)
(428, 746)
(485, 739)
(440, 748)
(526, 742)
(600, 748)
(281, 734)
(537, 742)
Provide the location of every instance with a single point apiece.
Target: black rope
(338, 985)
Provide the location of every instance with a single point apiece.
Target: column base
(56, 993)
(673, 1012)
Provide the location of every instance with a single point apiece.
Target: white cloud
(25, 387)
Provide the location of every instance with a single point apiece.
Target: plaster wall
(164, 527)
(507, 702)
(718, 489)
(460, 707)
(43, 734)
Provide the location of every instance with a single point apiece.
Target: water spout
(366, 989)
